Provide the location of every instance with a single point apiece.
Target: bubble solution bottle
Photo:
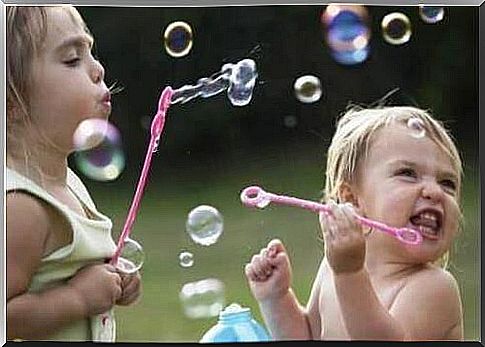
(235, 324)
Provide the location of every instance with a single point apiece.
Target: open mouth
(428, 223)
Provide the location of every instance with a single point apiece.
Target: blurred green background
(210, 149)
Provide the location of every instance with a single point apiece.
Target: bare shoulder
(28, 223)
(429, 305)
(437, 281)
(26, 215)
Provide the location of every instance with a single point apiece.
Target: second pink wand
(255, 196)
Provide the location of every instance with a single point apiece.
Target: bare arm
(93, 289)
(427, 308)
(288, 320)
(269, 279)
(32, 316)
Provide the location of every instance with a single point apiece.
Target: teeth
(427, 230)
(429, 215)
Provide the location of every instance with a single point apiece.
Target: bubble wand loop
(156, 130)
(255, 196)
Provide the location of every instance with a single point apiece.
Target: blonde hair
(355, 131)
(26, 31)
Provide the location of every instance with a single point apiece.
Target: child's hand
(344, 239)
(269, 272)
(131, 288)
(98, 286)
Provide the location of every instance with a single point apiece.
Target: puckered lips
(428, 222)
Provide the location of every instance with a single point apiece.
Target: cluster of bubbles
(131, 258)
(203, 298)
(238, 79)
(396, 26)
(178, 39)
(98, 150)
(308, 89)
(347, 32)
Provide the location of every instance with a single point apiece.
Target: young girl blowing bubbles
(59, 286)
(396, 165)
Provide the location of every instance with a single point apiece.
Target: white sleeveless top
(91, 243)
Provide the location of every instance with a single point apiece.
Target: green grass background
(172, 192)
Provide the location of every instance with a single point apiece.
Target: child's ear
(347, 193)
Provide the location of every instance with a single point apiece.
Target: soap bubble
(178, 39)
(347, 32)
(417, 127)
(396, 28)
(308, 89)
(202, 299)
(186, 259)
(242, 81)
(131, 258)
(431, 14)
(290, 121)
(98, 155)
(204, 225)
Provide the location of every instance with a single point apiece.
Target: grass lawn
(160, 228)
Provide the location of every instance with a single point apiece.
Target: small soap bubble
(186, 259)
(431, 14)
(178, 39)
(204, 225)
(396, 28)
(418, 130)
(347, 32)
(290, 121)
(99, 154)
(202, 299)
(131, 258)
(308, 89)
(242, 80)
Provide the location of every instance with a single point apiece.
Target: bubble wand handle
(255, 196)
(155, 131)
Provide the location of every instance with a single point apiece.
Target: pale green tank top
(92, 242)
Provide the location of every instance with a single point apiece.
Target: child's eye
(449, 184)
(408, 172)
(73, 61)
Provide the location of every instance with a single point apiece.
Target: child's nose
(97, 72)
(432, 191)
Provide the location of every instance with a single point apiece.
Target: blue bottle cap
(235, 312)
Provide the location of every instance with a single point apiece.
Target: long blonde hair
(26, 31)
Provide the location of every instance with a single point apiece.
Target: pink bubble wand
(255, 196)
(155, 131)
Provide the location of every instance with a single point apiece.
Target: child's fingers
(262, 266)
(326, 225)
(340, 219)
(274, 247)
(349, 212)
(250, 273)
(132, 285)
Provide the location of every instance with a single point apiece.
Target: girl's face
(68, 83)
(410, 182)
